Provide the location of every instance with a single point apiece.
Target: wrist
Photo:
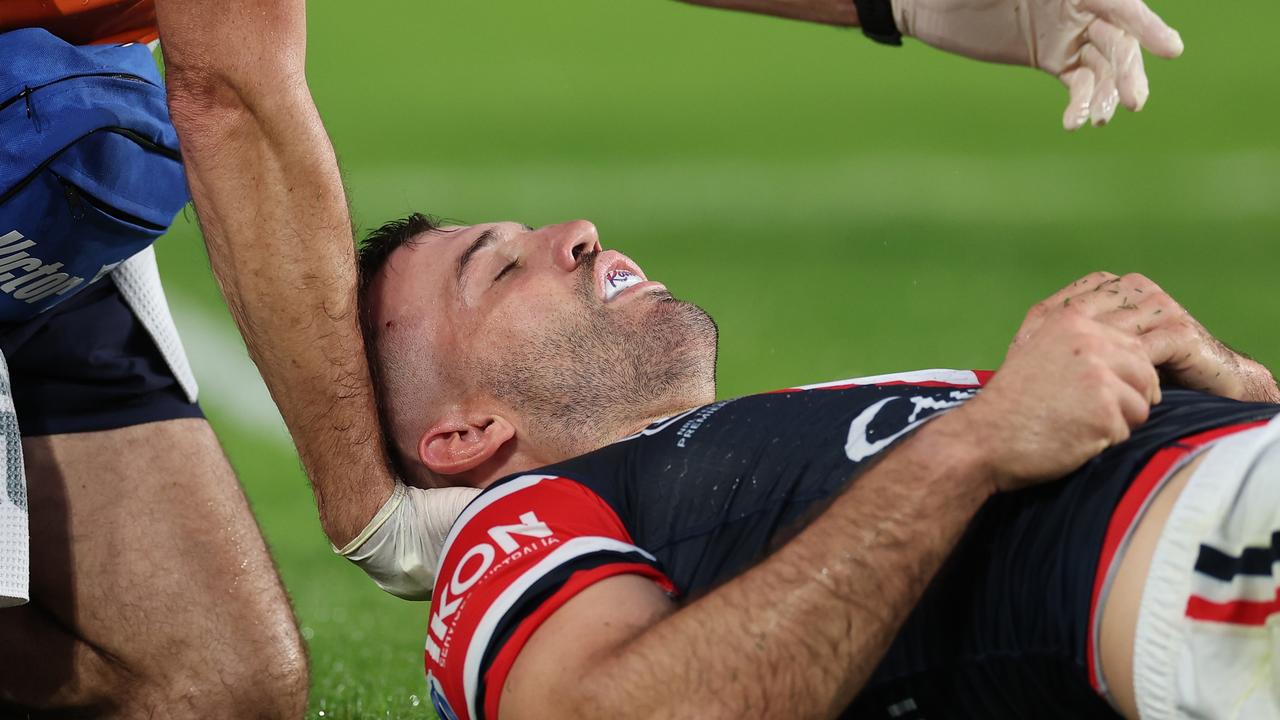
(877, 19)
(957, 439)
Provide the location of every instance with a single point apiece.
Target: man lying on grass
(643, 551)
(524, 340)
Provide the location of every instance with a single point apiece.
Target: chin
(686, 341)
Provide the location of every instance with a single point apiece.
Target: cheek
(531, 313)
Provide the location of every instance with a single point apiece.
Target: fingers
(1064, 298)
(1121, 51)
(1135, 18)
(1138, 314)
(1113, 60)
(1088, 283)
(1168, 346)
(1079, 82)
(1143, 307)
(1134, 407)
(1102, 107)
(1127, 357)
(1129, 386)
(1099, 295)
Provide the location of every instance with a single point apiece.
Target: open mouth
(616, 274)
(615, 281)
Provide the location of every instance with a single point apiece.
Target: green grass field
(841, 208)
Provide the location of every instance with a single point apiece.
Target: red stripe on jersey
(1127, 514)
(929, 384)
(510, 538)
(1249, 613)
(579, 581)
(892, 383)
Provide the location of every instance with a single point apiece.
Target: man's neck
(518, 457)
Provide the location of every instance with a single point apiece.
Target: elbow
(204, 98)
(202, 101)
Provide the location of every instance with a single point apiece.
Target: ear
(456, 445)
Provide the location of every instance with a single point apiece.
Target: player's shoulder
(518, 552)
(526, 503)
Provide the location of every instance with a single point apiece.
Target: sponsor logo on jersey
(28, 278)
(686, 431)
(502, 546)
(859, 446)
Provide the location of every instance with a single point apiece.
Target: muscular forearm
(831, 12)
(270, 201)
(798, 635)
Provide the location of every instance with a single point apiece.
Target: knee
(262, 673)
(267, 677)
(261, 681)
(278, 689)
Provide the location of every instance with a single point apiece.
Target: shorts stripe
(1223, 566)
(1241, 612)
(1125, 519)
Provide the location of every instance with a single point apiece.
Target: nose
(571, 240)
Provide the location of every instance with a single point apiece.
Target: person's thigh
(153, 594)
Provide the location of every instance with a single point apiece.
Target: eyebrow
(485, 239)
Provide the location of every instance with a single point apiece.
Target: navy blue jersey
(698, 498)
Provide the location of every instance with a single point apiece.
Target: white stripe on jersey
(524, 482)
(571, 549)
(951, 377)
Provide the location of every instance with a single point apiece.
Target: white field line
(962, 188)
(228, 379)
(957, 188)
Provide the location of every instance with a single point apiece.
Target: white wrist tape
(400, 547)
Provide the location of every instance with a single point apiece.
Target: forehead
(420, 277)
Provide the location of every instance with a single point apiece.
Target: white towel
(15, 549)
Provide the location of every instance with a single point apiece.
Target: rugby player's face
(549, 322)
(502, 282)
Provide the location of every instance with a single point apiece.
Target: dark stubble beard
(594, 374)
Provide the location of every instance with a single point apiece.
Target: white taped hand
(400, 547)
(1093, 46)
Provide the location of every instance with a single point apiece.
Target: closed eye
(510, 266)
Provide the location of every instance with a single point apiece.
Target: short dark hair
(371, 257)
(378, 245)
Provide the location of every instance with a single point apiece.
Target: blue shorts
(88, 364)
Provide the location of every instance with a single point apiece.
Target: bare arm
(798, 635)
(265, 184)
(1091, 46)
(830, 12)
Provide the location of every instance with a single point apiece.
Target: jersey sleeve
(518, 553)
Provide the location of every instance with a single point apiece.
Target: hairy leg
(152, 590)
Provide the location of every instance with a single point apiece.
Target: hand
(1185, 353)
(1070, 387)
(1092, 46)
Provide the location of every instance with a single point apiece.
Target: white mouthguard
(617, 281)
